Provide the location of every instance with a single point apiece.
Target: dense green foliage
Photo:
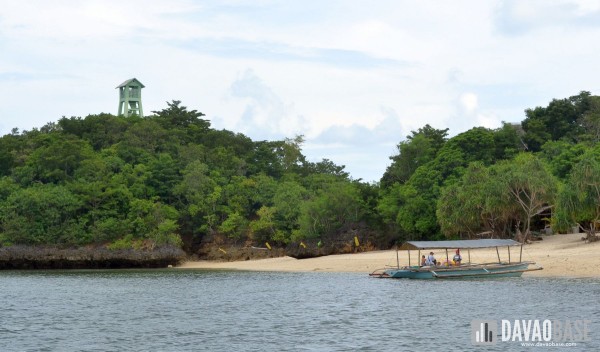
(411, 205)
(579, 199)
(145, 182)
(499, 182)
(497, 198)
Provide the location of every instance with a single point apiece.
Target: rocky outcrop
(34, 257)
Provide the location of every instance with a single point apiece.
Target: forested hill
(129, 182)
(170, 179)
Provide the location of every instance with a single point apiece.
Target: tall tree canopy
(131, 181)
(579, 199)
(418, 149)
(561, 119)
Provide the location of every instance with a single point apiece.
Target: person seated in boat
(431, 260)
(423, 260)
(457, 258)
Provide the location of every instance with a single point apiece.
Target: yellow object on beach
(268, 245)
(302, 244)
(356, 241)
(222, 250)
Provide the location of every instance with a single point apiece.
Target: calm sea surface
(177, 310)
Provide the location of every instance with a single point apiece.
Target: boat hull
(475, 271)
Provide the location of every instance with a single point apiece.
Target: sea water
(198, 310)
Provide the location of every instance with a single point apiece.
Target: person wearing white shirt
(430, 260)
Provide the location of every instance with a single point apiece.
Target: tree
(528, 184)
(154, 221)
(560, 119)
(507, 141)
(264, 228)
(495, 198)
(235, 226)
(241, 145)
(7, 187)
(291, 156)
(42, 214)
(476, 144)
(164, 176)
(264, 159)
(590, 121)
(141, 141)
(418, 149)
(287, 201)
(239, 194)
(177, 116)
(335, 206)
(327, 166)
(476, 203)
(416, 213)
(58, 161)
(561, 156)
(101, 131)
(8, 146)
(263, 192)
(226, 161)
(200, 196)
(579, 199)
(461, 207)
(414, 203)
(105, 199)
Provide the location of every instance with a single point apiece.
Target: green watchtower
(130, 98)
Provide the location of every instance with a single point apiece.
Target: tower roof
(129, 81)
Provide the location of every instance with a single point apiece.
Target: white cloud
(265, 114)
(363, 150)
(469, 102)
(353, 79)
(522, 17)
(488, 121)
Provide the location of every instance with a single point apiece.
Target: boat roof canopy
(484, 243)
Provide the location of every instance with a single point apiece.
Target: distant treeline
(170, 179)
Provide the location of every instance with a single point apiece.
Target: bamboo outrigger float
(452, 271)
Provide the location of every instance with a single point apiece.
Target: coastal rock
(34, 257)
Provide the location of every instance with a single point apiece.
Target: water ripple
(170, 310)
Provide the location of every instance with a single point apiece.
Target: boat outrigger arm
(448, 270)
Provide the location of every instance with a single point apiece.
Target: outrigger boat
(452, 271)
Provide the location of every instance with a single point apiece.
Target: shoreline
(560, 256)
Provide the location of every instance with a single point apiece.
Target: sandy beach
(559, 255)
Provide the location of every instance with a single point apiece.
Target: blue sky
(353, 77)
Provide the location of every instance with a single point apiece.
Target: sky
(353, 77)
